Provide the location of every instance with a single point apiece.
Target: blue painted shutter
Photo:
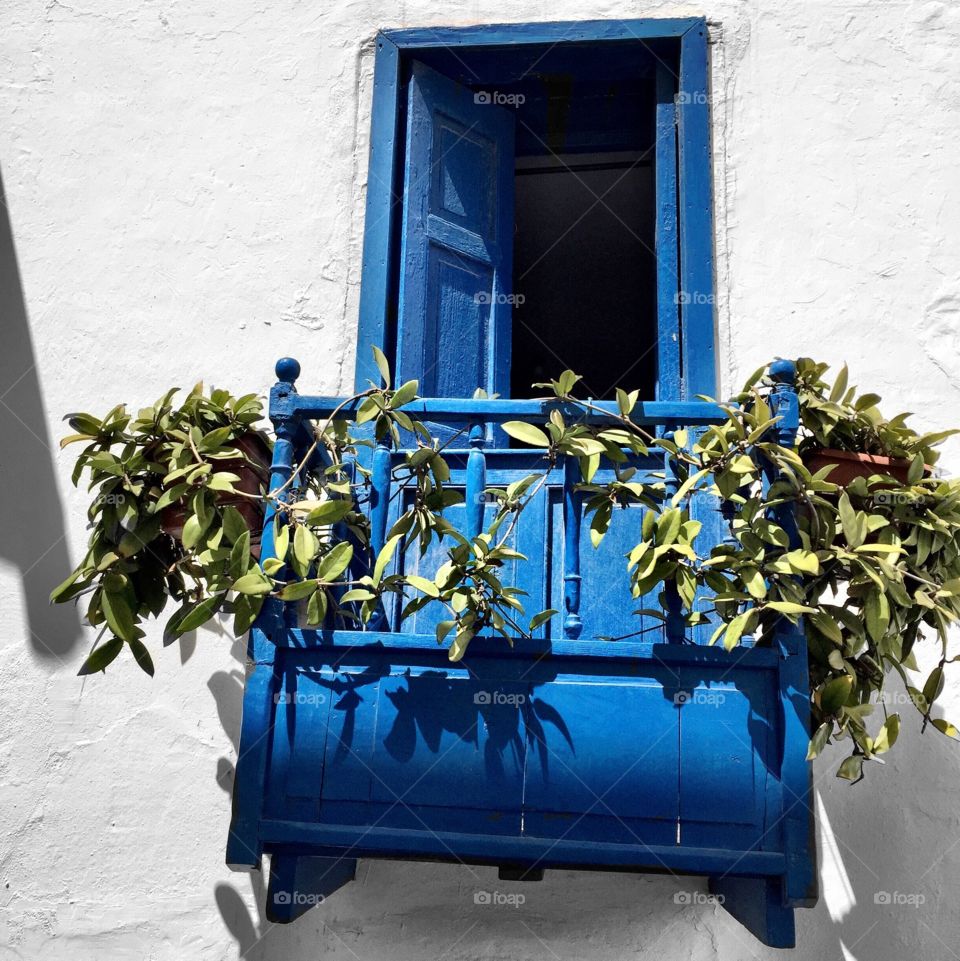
(453, 331)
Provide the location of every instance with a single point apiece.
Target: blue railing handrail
(499, 410)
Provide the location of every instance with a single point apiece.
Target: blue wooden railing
(289, 410)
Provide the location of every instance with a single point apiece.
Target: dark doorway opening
(584, 273)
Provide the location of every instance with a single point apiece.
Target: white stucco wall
(184, 185)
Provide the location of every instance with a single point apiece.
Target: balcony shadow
(31, 513)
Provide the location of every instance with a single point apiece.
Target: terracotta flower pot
(252, 477)
(849, 465)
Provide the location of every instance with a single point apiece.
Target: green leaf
(827, 626)
(541, 618)
(74, 438)
(915, 472)
(281, 542)
(240, 555)
(199, 614)
(253, 583)
(443, 629)
(933, 686)
(527, 433)
(668, 526)
(329, 512)
(234, 526)
(687, 485)
(789, 607)
(171, 495)
(852, 768)
(222, 482)
(367, 410)
(945, 727)
(819, 739)
(214, 440)
(142, 655)
(404, 394)
(335, 563)
(245, 610)
(66, 590)
(194, 529)
(383, 365)
(737, 627)
(877, 614)
(803, 562)
(118, 613)
(298, 590)
(317, 608)
(888, 735)
(423, 584)
(835, 693)
(305, 545)
(756, 586)
(839, 385)
(383, 558)
(357, 594)
(459, 646)
(849, 522)
(101, 656)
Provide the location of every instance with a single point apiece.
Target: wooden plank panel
(586, 757)
(727, 755)
(445, 738)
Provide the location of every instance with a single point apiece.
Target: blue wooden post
(800, 888)
(572, 515)
(476, 480)
(244, 848)
(666, 240)
(766, 906)
(675, 626)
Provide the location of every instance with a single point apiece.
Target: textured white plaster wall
(184, 186)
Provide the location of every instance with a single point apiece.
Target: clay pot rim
(860, 457)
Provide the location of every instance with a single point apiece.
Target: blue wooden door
(454, 313)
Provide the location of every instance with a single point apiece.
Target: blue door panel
(453, 331)
(726, 747)
(445, 738)
(577, 764)
(299, 742)
(350, 744)
(457, 334)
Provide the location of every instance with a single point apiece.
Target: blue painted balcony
(654, 752)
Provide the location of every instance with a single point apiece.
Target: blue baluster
(380, 494)
(379, 513)
(675, 626)
(476, 480)
(572, 516)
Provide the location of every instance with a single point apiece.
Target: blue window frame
(439, 218)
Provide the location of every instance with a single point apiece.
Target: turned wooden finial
(288, 369)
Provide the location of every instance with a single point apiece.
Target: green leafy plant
(836, 416)
(869, 569)
(168, 468)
